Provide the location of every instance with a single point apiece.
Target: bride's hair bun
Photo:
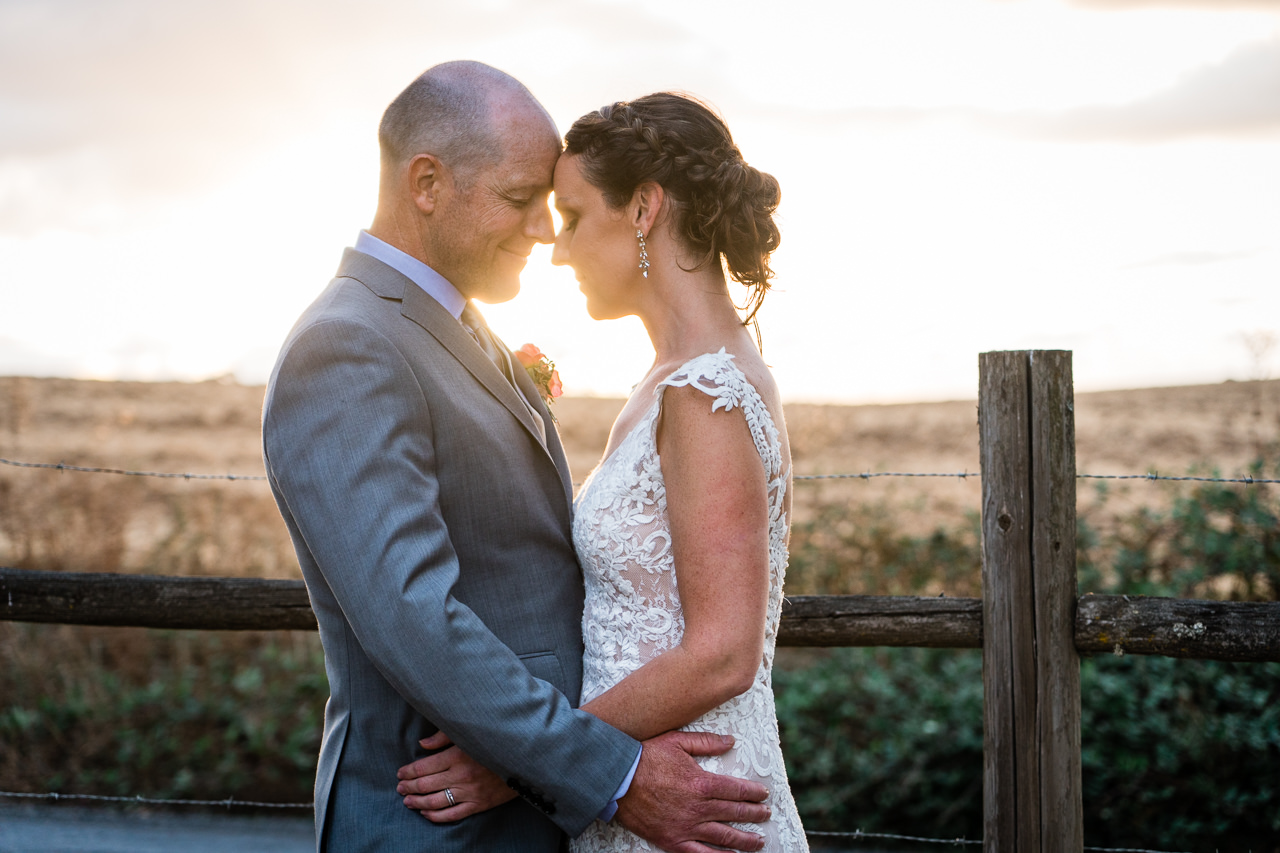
(723, 206)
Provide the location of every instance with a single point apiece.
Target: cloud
(1195, 258)
(1214, 5)
(18, 358)
(1238, 96)
(109, 108)
(124, 103)
(165, 74)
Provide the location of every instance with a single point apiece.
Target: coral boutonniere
(542, 371)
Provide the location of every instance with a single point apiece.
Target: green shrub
(1217, 540)
(1181, 753)
(885, 740)
(1177, 754)
(210, 717)
(862, 549)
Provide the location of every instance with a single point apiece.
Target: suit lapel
(419, 308)
(429, 314)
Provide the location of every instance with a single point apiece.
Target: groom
(429, 502)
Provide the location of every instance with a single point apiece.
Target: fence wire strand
(870, 475)
(856, 835)
(62, 466)
(154, 801)
(865, 475)
(1249, 481)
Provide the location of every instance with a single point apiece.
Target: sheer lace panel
(633, 614)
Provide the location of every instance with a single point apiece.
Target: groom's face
(498, 214)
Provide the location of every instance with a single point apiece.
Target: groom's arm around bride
(431, 515)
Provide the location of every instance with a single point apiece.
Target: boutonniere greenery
(542, 371)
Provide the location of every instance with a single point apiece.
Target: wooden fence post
(1030, 669)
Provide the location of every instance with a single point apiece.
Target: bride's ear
(646, 205)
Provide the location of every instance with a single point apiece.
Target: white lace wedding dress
(633, 614)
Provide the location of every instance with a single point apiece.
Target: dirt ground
(60, 519)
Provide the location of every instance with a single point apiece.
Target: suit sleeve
(347, 436)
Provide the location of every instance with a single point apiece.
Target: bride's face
(598, 242)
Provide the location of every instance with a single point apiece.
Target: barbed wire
(870, 475)
(858, 835)
(154, 801)
(855, 835)
(865, 475)
(62, 466)
(1250, 481)
(1128, 850)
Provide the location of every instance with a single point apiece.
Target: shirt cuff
(607, 813)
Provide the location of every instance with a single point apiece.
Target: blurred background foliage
(1178, 754)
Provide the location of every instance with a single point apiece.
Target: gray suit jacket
(433, 530)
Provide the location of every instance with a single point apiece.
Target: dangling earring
(644, 255)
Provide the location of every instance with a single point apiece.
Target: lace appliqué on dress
(632, 614)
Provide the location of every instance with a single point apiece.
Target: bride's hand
(471, 786)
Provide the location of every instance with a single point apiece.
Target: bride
(682, 528)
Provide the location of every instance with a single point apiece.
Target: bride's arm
(717, 503)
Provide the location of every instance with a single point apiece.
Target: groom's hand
(675, 804)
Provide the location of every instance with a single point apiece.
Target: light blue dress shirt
(436, 285)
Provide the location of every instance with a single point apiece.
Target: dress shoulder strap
(716, 375)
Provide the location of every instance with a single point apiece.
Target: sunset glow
(177, 181)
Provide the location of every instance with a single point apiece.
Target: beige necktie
(501, 358)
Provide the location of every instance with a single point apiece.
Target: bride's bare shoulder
(758, 373)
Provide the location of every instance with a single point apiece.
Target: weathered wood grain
(881, 620)
(155, 601)
(1178, 627)
(1056, 695)
(1010, 793)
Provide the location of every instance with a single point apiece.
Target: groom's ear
(426, 178)
(646, 205)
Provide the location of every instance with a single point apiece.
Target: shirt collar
(435, 285)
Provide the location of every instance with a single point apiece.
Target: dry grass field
(92, 522)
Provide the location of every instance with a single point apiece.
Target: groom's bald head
(456, 111)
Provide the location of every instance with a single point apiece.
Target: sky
(178, 179)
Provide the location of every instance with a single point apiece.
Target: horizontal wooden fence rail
(1174, 627)
(155, 601)
(1246, 631)
(881, 620)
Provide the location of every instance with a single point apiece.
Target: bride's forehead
(569, 179)
(567, 167)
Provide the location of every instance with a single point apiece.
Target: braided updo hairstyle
(722, 206)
